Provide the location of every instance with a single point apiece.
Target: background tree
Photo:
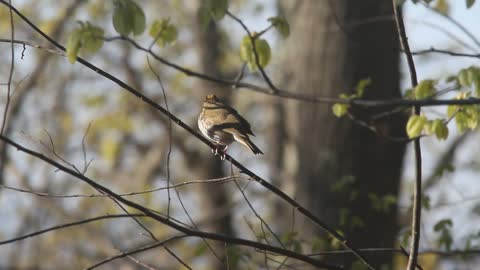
(344, 169)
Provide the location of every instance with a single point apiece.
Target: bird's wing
(237, 121)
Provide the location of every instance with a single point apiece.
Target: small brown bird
(222, 125)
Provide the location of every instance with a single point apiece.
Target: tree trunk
(214, 198)
(326, 60)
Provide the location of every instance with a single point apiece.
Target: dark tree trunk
(326, 60)
(214, 198)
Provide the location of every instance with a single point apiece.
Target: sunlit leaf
(442, 6)
(425, 89)
(85, 38)
(415, 125)
(247, 54)
(73, 45)
(440, 129)
(339, 109)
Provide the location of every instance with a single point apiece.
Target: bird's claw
(218, 151)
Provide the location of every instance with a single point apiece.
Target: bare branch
(166, 221)
(66, 225)
(12, 67)
(417, 195)
(207, 181)
(135, 251)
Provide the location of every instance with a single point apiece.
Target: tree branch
(417, 195)
(166, 221)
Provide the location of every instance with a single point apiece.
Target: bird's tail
(248, 143)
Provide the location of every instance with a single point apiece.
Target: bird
(222, 125)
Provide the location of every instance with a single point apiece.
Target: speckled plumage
(223, 125)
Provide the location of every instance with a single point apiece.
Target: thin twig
(417, 195)
(456, 23)
(207, 181)
(182, 229)
(12, 67)
(66, 225)
(177, 258)
(140, 263)
(169, 126)
(446, 52)
(135, 251)
(168, 164)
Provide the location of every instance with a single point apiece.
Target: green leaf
(247, 54)
(120, 18)
(451, 110)
(86, 38)
(443, 224)
(425, 89)
(281, 25)
(92, 38)
(470, 3)
(211, 9)
(164, 32)
(73, 45)
(440, 129)
(128, 17)
(339, 109)
(442, 6)
(445, 238)
(361, 86)
(409, 94)
(415, 125)
(218, 8)
(463, 78)
(139, 21)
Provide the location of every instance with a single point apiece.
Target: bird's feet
(220, 150)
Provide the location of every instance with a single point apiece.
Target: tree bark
(326, 59)
(214, 198)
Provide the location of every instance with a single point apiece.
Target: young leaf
(86, 38)
(73, 45)
(440, 129)
(211, 9)
(442, 6)
(139, 21)
(128, 17)
(263, 51)
(120, 18)
(339, 109)
(415, 125)
(281, 25)
(425, 89)
(218, 8)
(463, 78)
(164, 32)
(361, 86)
(91, 38)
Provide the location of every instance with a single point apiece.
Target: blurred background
(356, 180)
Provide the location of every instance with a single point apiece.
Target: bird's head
(213, 102)
(211, 98)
